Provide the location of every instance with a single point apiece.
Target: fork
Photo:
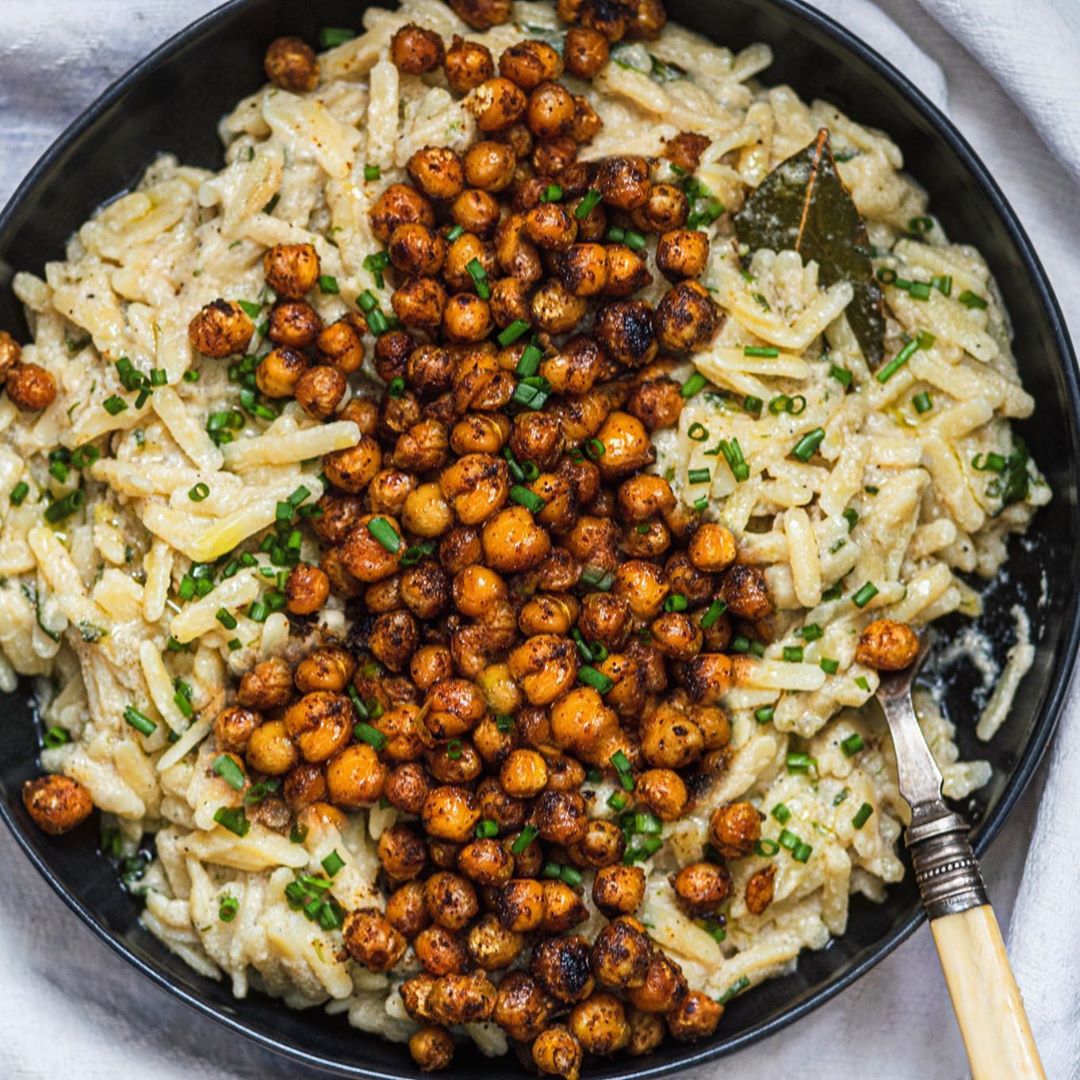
(985, 997)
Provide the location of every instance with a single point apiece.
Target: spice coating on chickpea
(220, 329)
(887, 645)
(415, 50)
(30, 387)
(291, 64)
(56, 804)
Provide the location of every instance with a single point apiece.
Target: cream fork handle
(985, 996)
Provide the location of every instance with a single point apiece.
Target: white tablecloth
(69, 1007)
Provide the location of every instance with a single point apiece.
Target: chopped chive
(898, 361)
(480, 278)
(455, 232)
(802, 852)
(781, 813)
(453, 749)
(851, 516)
(841, 796)
(596, 679)
(529, 499)
(865, 595)
(228, 908)
(972, 300)
(699, 476)
(366, 302)
(258, 612)
(811, 632)
(504, 724)
(829, 666)
(788, 840)
(712, 615)
(372, 172)
(841, 375)
(65, 507)
(19, 493)
(384, 532)
(199, 492)
(370, 735)
(798, 762)
(191, 376)
(552, 193)
(601, 580)
(988, 463)
(251, 309)
(852, 744)
(694, 385)
(85, 456)
(333, 863)
(733, 990)
(675, 602)
(229, 771)
(921, 224)
(139, 721)
(922, 402)
(226, 619)
(862, 684)
(183, 703)
(617, 800)
(524, 839)
(753, 405)
(615, 235)
(634, 240)
(235, 820)
(919, 290)
(396, 388)
(529, 363)
(862, 815)
(765, 714)
(768, 352)
(834, 592)
(595, 449)
(587, 204)
(329, 284)
(114, 405)
(54, 737)
(697, 432)
(512, 332)
(332, 36)
(766, 847)
(793, 654)
(532, 392)
(487, 828)
(807, 446)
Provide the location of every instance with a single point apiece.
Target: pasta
(143, 600)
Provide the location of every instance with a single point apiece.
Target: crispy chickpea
(462, 999)
(887, 645)
(415, 993)
(676, 635)
(626, 445)
(307, 589)
(416, 250)
(497, 103)
(466, 318)
(643, 586)
(561, 967)
(664, 986)
(396, 205)
(437, 171)
(319, 391)
(441, 951)
(599, 1023)
(624, 182)
(580, 722)
(550, 110)
(555, 309)
(583, 269)
(355, 777)
(666, 208)
(734, 829)
(364, 556)
(432, 1048)
(522, 1009)
(644, 496)
(520, 905)
(419, 302)
(529, 63)
(611, 20)
(685, 149)
(294, 323)
(517, 255)
(605, 617)
(464, 252)
(267, 686)
(416, 50)
(585, 52)
(545, 666)
(270, 750)
(624, 328)
(618, 889)
(551, 226)
(407, 787)
(482, 14)
(687, 317)
(670, 740)
(695, 1017)
(291, 269)
(406, 910)
(487, 862)
(489, 166)
(701, 888)
(451, 813)
(647, 1032)
(10, 354)
(399, 725)
(220, 329)
(712, 547)
(557, 1052)
(657, 403)
(455, 707)
(552, 157)
(524, 774)
(513, 542)
(584, 125)
(451, 900)
(291, 64)
(426, 512)
(476, 211)
(431, 664)
(663, 792)
(758, 893)
(682, 253)
(467, 65)
(627, 271)
(234, 726)
(560, 817)
(353, 468)
(304, 786)
(339, 344)
(403, 853)
(621, 955)
(746, 592)
(321, 723)
(602, 845)
(479, 433)
(509, 301)
(56, 804)
(278, 373)
(371, 940)
(563, 909)
(476, 486)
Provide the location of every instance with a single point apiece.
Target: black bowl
(171, 102)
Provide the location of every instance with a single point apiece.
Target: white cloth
(1003, 69)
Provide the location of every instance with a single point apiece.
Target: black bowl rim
(1041, 734)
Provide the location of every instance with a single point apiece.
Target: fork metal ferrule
(946, 870)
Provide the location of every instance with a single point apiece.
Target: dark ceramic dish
(171, 102)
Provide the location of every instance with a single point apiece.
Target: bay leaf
(803, 205)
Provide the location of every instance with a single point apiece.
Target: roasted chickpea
(462, 999)
(560, 817)
(563, 908)
(666, 208)
(291, 270)
(354, 468)
(685, 149)
(339, 344)
(734, 829)
(746, 592)
(647, 1032)
(451, 900)
(291, 64)
(416, 250)
(270, 750)
(701, 888)
(682, 253)
(319, 391)
(664, 987)
(618, 889)
(663, 792)
(550, 110)
(599, 1023)
(466, 318)
(304, 786)
(355, 777)
(475, 211)
(551, 226)
(267, 686)
(416, 50)
(497, 103)
(10, 354)
(441, 951)
(482, 14)
(555, 309)
(643, 586)
(432, 1048)
(529, 63)
(451, 813)
(561, 967)
(516, 254)
(657, 403)
(320, 722)
(406, 910)
(489, 165)
(294, 323)
(669, 739)
(523, 774)
(396, 205)
(520, 905)
(611, 20)
(406, 787)
(758, 893)
(233, 727)
(513, 542)
(467, 65)
(695, 1017)
(220, 329)
(419, 302)
(307, 589)
(687, 318)
(545, 666)
(585, 52)
(624, 182)
(557, 1052)
(278, 373)
(552, 157)
(624, 328)
(887, 645)
(522, 1009)
(583, 269)
(371, 940)
(56, 804)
